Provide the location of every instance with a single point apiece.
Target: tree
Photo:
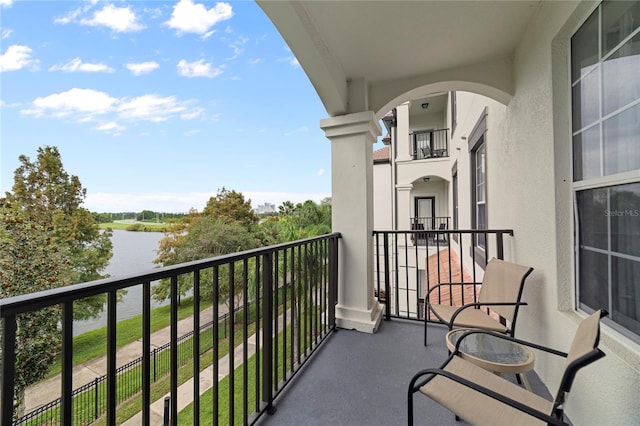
(230, 206)
(207, 237)
(50, 198)
(30, 260)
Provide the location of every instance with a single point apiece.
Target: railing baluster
(173, 368)
(111, 358)
(267, 334)
(216, 343)
(232, 381)
(9, 327)
(146, 348)
(66, 403)
(196, 347)
(245, 344)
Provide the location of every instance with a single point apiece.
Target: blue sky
(156, 105)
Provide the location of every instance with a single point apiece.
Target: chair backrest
(584, 350)
(503, 282)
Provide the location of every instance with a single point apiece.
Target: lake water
(133, 252)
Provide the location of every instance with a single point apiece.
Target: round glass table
(493, 353)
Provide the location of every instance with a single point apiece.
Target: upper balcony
(430, 144)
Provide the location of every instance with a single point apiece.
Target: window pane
(622, 142)
(593, 279)
(621, 84)
(592, 218)
(624, 215)
(586, 100)
(586, 154)
(619, 19)
(626, 293)
(584, 47)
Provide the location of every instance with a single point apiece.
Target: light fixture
(425, 105)
(425, 179)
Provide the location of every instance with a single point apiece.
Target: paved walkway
(48, 390)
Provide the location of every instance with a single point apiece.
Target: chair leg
(425, 331)
(410, 409)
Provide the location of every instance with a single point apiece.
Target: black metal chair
(481, 397)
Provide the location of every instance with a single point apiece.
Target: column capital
(407, 187)
(352, 124)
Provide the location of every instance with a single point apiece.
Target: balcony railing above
(430, 144)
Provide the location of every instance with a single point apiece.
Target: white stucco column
(352, 137)
(403, 142)
(405, 212)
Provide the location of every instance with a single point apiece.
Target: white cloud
(75, 13)
(142, 67)
(16, 57)
(86, 105)
(191, 114)
(189, 17)
(119, 19)
(238, 47)
(301, 129)
(82, 103)
(320, 172)
(76, 65)
(6, 3)
(291, 60)
(181, 202)
(198, 69)
(151, 108)
(254, 61)
(111, 127)
(6, 33)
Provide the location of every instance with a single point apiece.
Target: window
(605, 74)
(477, 148)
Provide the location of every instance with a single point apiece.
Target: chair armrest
(479, 305)
(413, 387)
(512, 339)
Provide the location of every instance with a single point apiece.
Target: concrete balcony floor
(362, 379)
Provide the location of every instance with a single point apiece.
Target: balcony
(430, 144)
(429, 225)
(285, 298)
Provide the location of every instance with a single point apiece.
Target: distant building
(265, 208)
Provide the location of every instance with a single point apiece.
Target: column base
(364, 321)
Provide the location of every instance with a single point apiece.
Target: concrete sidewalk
(49, 390)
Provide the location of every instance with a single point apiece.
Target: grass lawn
(137, 226)
(93, 344)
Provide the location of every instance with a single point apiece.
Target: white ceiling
(386, 43)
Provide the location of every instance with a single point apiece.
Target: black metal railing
(436, 223)
(292, 289)
(431, 144)
(405, 271)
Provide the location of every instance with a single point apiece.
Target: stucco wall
(532, 165)
(382, 206)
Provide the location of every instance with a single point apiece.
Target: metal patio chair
(500, 292)
(483, 398)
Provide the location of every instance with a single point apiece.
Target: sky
(156, 105)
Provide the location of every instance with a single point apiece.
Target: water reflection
(133, 252)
